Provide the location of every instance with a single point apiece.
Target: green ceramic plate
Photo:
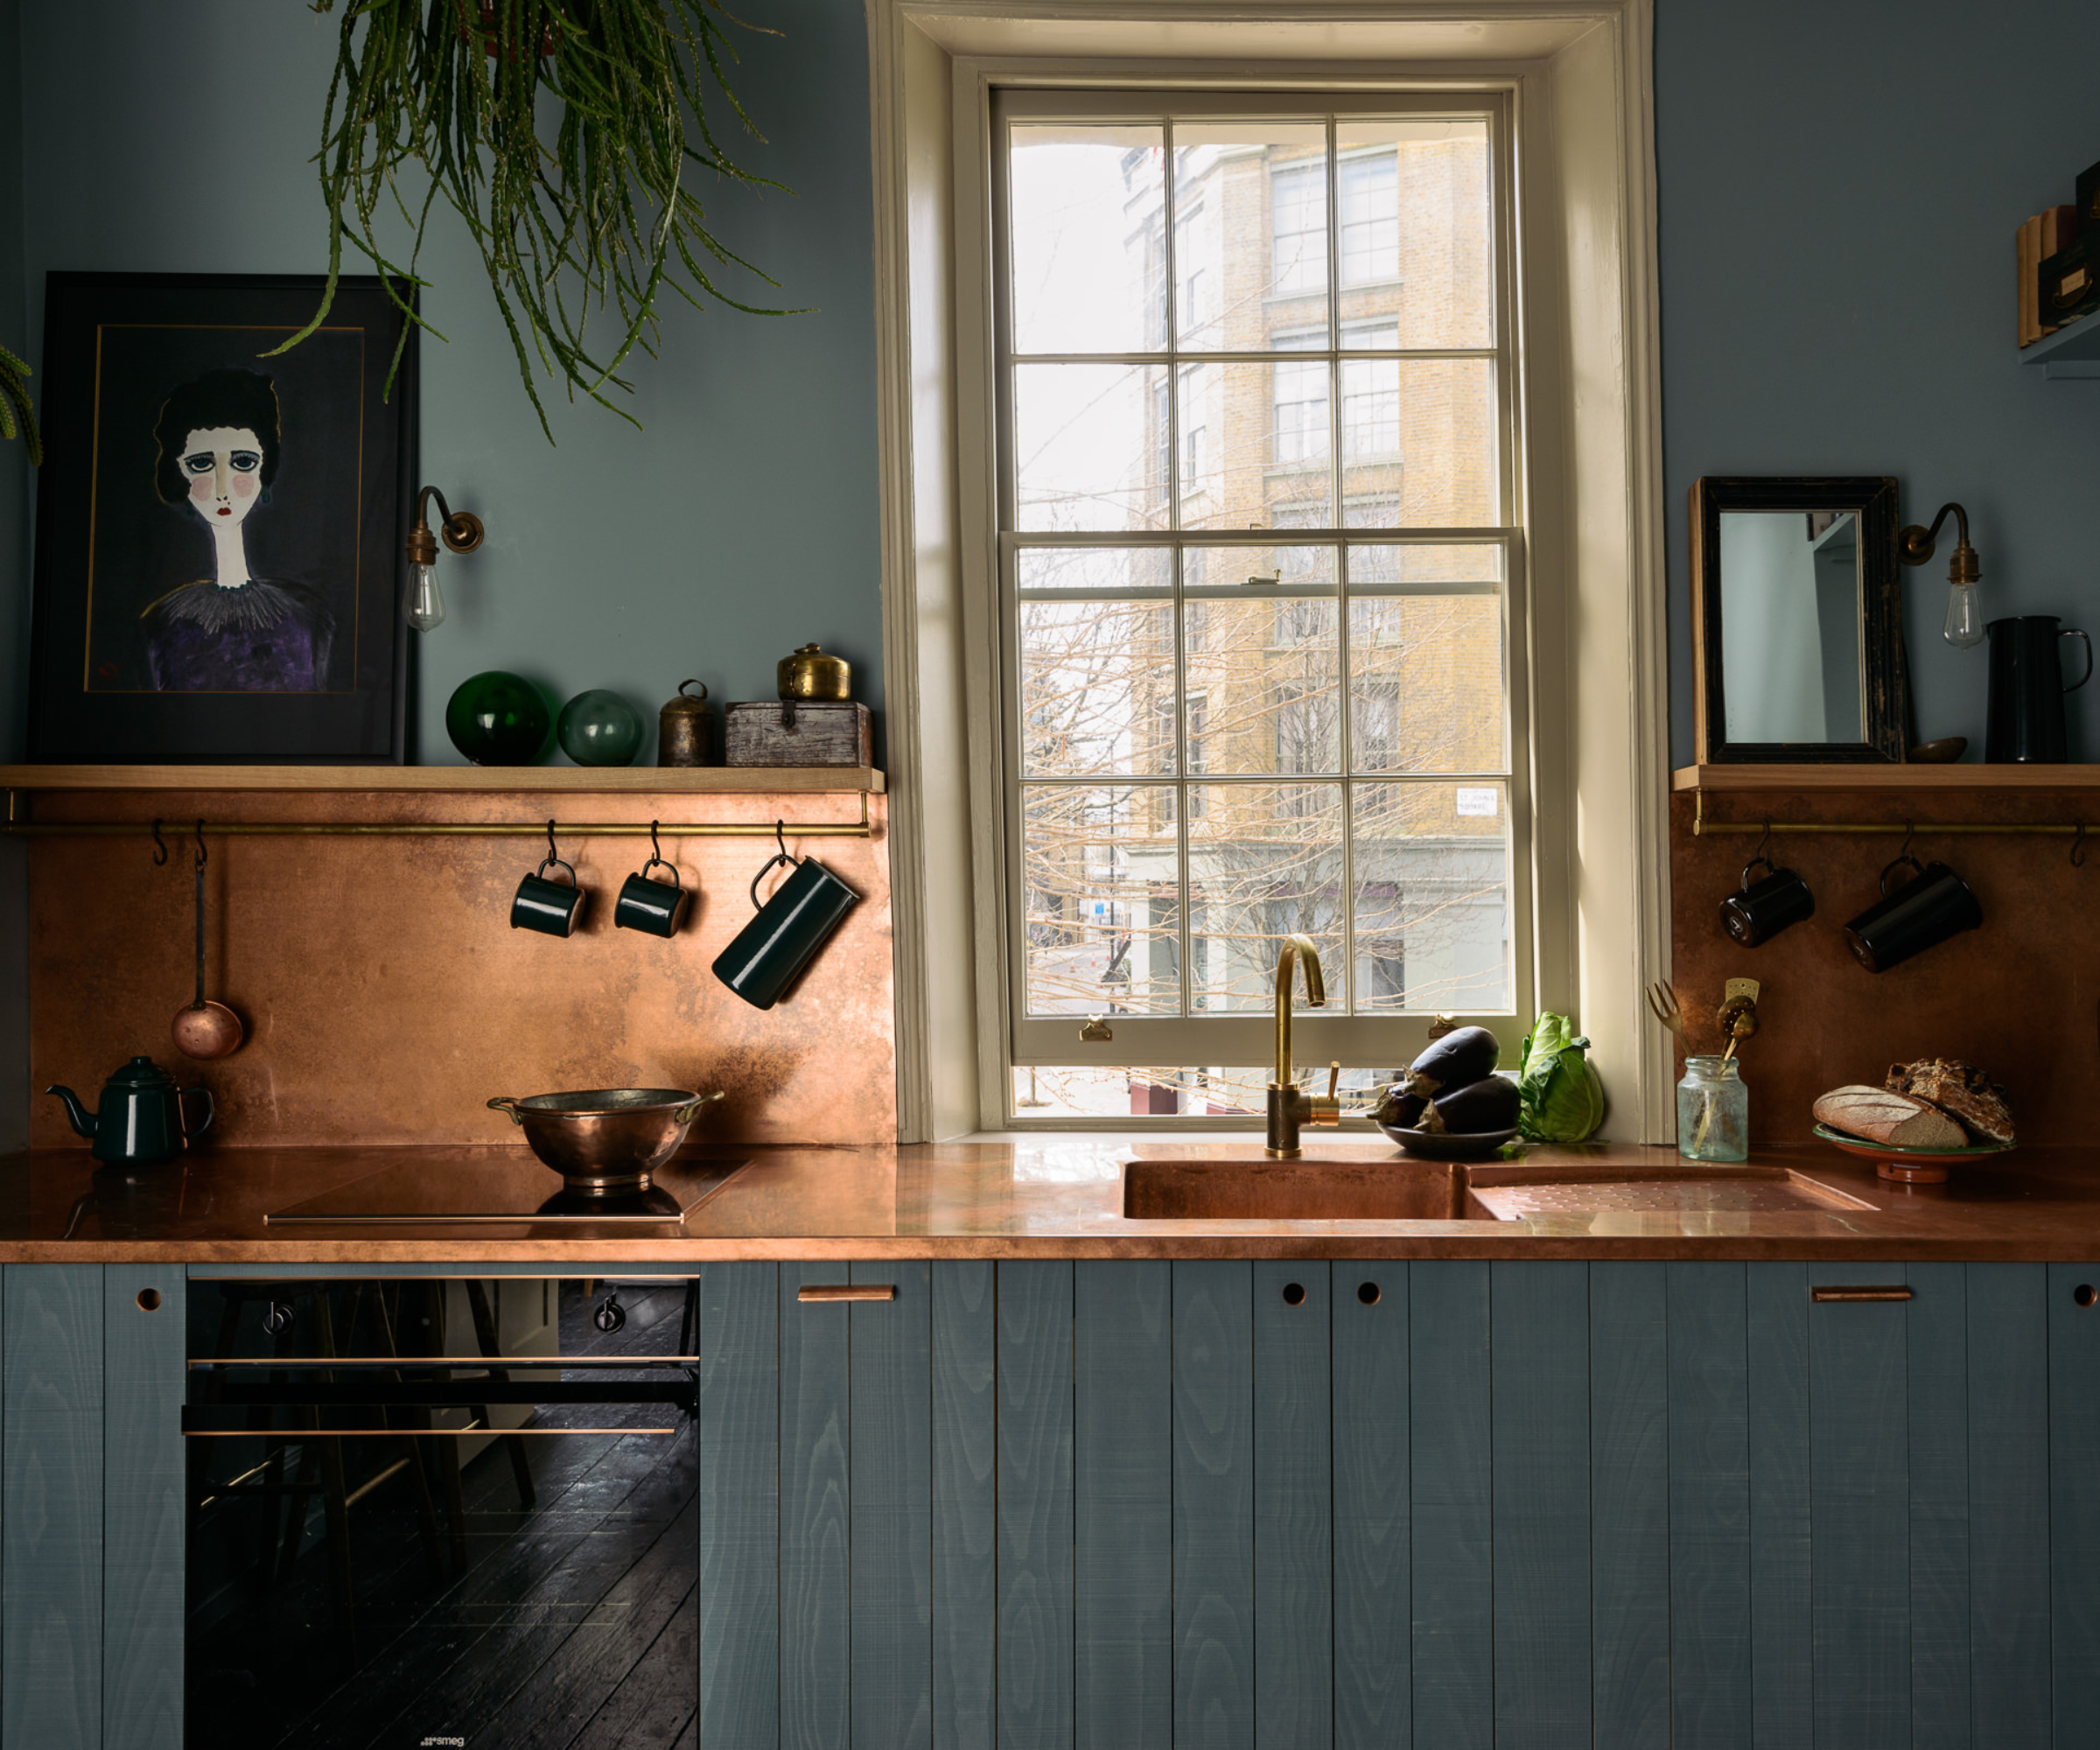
(1874, 1150)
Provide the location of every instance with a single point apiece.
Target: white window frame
(1364, 1039)
(1579, 78)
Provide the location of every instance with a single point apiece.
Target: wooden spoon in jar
(204, 1029)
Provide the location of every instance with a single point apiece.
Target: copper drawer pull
(848, 1291)
(1879, 1292)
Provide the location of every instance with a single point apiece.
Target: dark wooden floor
(574, 1625)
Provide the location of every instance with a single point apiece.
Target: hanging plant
(594, 220)
(16, 413)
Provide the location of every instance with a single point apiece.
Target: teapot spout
(83, 1120)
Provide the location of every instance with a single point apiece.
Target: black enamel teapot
(141, 1119)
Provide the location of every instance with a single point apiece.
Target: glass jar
(1713, 1110)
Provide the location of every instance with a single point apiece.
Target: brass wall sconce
(1964, 622)
(423, 607)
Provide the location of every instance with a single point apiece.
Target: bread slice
(1877, 1115)
(1962, 1091)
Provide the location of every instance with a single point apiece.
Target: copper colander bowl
(605, 1141)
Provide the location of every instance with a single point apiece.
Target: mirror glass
(1793, 596)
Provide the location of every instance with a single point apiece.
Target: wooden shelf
(2072, 351)
(1721, 780)
(664, 781)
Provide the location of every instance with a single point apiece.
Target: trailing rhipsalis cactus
(15, 410)
(596, 218)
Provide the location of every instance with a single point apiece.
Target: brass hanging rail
(1701, 827)
(18, 825)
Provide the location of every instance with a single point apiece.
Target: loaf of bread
(1962, 1091)
(1880, 1115)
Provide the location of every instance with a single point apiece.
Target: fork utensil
(1663, 1003)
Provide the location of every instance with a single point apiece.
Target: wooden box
(785, 732)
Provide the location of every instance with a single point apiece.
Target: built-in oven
(441, 1509)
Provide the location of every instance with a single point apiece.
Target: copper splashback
(2021, 997)
(387, 996)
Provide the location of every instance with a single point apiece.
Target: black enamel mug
(655, 907)
(771, 950)
(1766, 906)
(1926, 910)
(550, 908)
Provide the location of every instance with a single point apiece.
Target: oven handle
(396, 1435)
(424, 1363)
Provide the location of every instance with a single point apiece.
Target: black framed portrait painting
(220, 532)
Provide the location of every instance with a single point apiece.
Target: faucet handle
(1325, 1109)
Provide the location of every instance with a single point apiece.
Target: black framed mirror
(1797, 623)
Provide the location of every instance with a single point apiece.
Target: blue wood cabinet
(1246, 1505)
(91, 1510)
(1243, 1505)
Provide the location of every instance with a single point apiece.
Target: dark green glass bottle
(497, 718)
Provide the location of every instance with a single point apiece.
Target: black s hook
(160, 848)
(779, 838)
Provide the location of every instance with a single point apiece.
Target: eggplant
(1398, 1108)
(1490, 1103)
(1457, 1059)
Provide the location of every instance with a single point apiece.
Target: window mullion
(1169, 253)
(1333, 191)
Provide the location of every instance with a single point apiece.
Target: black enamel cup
(550, 908)
(654, 907)
(1766, 906)
(771, 950)
(1934, 905)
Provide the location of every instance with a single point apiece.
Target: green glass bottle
(497, 718)
(598, 728)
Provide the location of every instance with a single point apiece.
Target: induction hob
(509, 1193)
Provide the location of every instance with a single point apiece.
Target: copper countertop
(1040, 1196)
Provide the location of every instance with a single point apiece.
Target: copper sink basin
(1314, 1190)
(1396, 1188)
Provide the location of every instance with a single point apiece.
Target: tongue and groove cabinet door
(817, 1534)
(2074, 1339)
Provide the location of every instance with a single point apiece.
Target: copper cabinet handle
(1886, 1290)
(847, 1291)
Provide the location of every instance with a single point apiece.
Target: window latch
(1096, 1031)
(1277, 579)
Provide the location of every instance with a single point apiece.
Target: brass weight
(811, 675)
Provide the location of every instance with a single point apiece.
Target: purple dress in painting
(258, 637)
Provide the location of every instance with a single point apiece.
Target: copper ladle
(204, 1029)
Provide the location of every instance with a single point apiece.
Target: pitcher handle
(2072, 632)
(205, 1124)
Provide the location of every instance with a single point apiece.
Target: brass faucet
(1288, 1107)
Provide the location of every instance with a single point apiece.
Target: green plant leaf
(590, 222)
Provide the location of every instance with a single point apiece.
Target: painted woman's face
(222, 468)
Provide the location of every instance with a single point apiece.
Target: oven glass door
(436, 1510)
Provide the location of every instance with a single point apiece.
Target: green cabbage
(1561, 1100)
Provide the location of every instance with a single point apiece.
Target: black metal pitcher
(2024, 723)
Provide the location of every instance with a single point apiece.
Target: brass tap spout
(1288, 1107)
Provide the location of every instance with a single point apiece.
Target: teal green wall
(1839, 189)
(740, 522)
